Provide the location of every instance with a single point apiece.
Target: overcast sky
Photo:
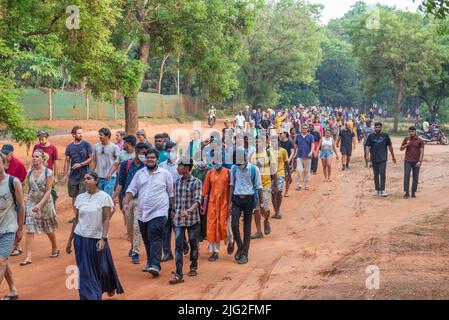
(337, 8)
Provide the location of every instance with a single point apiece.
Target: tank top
(8, 214)
(327, 143)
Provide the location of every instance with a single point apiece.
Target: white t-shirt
(90, 218)
(239, 121)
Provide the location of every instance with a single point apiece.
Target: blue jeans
(152, 234)
(193, 240)
(107, 185)
(166, 241)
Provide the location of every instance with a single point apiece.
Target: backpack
(13, 191)
(253, 180)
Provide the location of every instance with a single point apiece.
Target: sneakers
(243, 260)
(257, 235)
(167, 257)
(383, 193)
(267, 228)
(135, 259)
(213, 257)
(413, 195)
(154, 272)
(406, 195)
(147, 267)
(238, 255)
(376, 193)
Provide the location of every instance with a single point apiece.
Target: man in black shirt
(346, 139)
(377, 146)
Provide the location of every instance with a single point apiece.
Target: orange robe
(216, 186)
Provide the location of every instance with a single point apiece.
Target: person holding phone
(89, 235)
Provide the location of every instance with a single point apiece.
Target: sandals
(192, 273)
(16, 252)
(213, 257)
(25, 263)
(176, 279)
(55, 254)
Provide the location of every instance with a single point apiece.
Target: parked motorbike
(435, 134)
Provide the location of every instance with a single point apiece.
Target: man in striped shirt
(186, 217)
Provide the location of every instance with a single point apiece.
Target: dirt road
(321, 248)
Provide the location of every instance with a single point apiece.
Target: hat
(42, 133)
(7, 148)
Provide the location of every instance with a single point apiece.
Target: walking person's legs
(54, 247)
(257, 219)
(307, 164)
(324, 163)
(28, 242)
(143, 226)
(407, 171)
(376, 177)
(383, 176)
(247, 215)
(193, 241)
(136, 236)
(168, 255)
(179, 243)
(236, 213)
(300, 169)
(6, 247)
(156, 229)
(415, 180)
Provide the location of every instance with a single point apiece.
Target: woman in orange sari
(216, 194)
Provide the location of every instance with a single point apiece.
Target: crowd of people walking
(198, 192)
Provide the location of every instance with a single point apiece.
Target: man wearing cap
(49, 149)
(16, 168)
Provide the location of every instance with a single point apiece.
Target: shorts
(280, 183)
(326, 153)
(266, 199)
(7, 244)
(76, 187)
(346, 150)
(107, 185)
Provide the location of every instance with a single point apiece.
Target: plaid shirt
(187, 192)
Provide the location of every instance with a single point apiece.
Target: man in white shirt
(240, 121)
(154, 189)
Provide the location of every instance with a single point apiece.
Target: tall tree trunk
(188, 84)
(161, 73)
(131, 116)
(131, 111)
(399, 89)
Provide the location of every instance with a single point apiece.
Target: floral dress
(43, 221)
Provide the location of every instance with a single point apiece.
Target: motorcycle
(435, 134)
(211, 120)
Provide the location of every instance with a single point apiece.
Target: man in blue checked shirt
(186, 216)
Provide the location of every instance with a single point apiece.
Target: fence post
(115, 105)
(87, 106)
(50, 104)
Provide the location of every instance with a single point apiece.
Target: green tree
(283, 48)
(401, 51)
